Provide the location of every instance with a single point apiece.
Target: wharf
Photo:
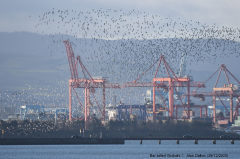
(98, 141)
(59, 141)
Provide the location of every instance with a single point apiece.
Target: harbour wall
(58, 141)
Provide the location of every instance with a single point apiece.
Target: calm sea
(131, 149)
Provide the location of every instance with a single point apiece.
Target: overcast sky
(22, 15)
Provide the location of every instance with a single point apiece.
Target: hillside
(37, 64)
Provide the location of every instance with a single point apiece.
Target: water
(131, 149)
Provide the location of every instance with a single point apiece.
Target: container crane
(87, 82)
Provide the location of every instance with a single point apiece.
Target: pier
(177, 139)
(98, 141)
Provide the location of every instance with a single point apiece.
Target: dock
(59, 141)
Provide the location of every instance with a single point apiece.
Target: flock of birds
(122, 45)
(51, 95)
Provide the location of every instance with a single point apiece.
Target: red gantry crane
(228, 90)
(168, 83)
(87, 82)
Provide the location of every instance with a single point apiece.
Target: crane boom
(71, 60)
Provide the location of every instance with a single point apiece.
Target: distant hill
(40, 61)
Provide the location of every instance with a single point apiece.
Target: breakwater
(58, 141)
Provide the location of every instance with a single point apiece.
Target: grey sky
(14, 14)
(23, 15)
